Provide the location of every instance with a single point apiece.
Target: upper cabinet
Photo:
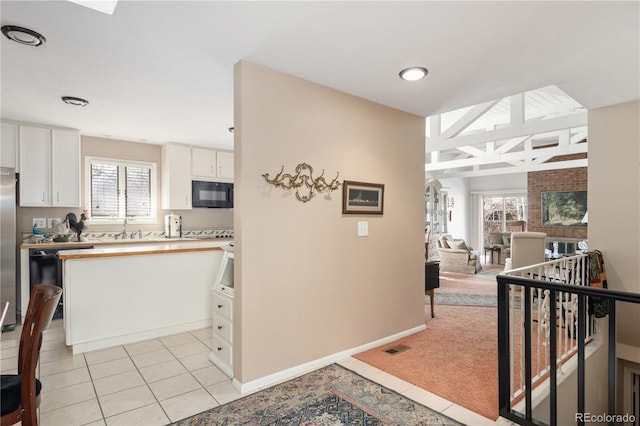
(35, 166)
(225, 164)
(65, 168)
(176, 177)
(8, 146)
(207, 164)
(203, 162)
(49, 167)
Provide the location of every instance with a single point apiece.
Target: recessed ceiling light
(413, 73)
(23, 35)
(71, 100)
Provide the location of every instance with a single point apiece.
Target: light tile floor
(158, 381)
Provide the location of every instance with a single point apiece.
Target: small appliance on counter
(173, 226)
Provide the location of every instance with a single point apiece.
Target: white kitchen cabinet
(164, 292)
(8, 146)
(65, 168)
(224, 161)
(176, 177)
(207, 164)
(35, 147)
(49, 167)
(222, 354)
(203, 162)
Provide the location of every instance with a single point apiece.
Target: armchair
(527, 248)
(455, 256)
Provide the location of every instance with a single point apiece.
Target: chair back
(42, 305)
(4, 313)
(527, 248)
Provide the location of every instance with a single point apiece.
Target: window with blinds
(121, 189)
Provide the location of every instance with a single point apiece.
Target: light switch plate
(40, 222)
(50, 221)
(363, 229)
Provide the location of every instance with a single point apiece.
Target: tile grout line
(95, 391)
(86, 365)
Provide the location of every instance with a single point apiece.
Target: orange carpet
(456, 357)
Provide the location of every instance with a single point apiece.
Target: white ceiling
(162, 71)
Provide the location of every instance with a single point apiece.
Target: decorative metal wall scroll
(303, 177)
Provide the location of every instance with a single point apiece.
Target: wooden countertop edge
(114, 242)
(63, 256)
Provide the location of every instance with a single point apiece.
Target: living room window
(505, 213)
(117, 189)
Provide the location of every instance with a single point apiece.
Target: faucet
(124, 228)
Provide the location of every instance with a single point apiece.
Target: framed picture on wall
(362, 198)
(564, 208)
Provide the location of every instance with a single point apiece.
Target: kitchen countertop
(106, 242)
(151, 247)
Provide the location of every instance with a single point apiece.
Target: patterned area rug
(330, 396)
(465, 299)
(489, 274)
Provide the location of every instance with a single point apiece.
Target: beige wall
(125, 150)
(614, 204)
(307, 285)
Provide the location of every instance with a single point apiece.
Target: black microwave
(217, 195)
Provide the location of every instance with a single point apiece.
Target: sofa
(456, 256)
(501, 240)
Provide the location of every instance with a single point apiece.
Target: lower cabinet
(222, 354)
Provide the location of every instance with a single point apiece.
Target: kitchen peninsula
(118, 294)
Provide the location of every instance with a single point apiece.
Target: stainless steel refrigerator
(8, 283)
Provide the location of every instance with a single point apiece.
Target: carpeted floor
(456, 356)
(489, 274)
(332, 395)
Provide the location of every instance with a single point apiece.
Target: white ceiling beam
(511, 170)
(540, 160)
(468, 118)
(563, 137)
(471, 150)
(582, 134)
(509, 145)
(527, 156)
(434, 125)
(528, 128)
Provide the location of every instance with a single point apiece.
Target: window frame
(152, 219)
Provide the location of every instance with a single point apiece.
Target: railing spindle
(566, 282)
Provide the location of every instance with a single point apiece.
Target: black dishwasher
(46, 268)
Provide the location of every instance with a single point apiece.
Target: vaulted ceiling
(516, 134)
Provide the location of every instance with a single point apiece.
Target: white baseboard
(298, 370)
(125, 339)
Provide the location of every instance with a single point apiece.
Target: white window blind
(121, 189)
(104, 190)
(137, 191)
